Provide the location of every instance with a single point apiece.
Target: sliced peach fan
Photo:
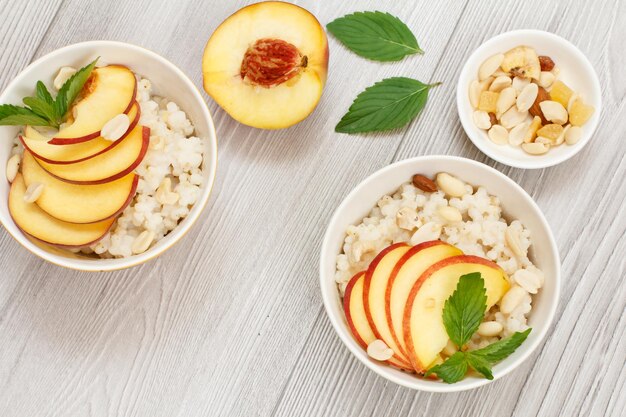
(398, 301)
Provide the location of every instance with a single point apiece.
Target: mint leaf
(16, 116)
(41, 108)
(499, 350)
(465, 309)
(43, 104)
(388, 104)
(452, 370)
(44, 94)
(375, 35)
(479, 364)
(72, 87)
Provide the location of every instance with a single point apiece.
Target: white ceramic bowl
(168, 81)
(516, 203)
(576, 72)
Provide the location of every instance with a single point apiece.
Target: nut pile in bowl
(519, 100)
(404, 265)
(106, 171)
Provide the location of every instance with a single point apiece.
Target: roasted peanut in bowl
(109, 156)
(529, 99)
(440, 273)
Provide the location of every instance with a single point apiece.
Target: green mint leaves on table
(462, 314)
(375, 35)
(42, 109)
(392, 102)
(388, 104)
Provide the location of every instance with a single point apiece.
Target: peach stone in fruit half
(108, 92)
(79, 203)
(356, 318)
(425, 335)
(32, 220)
(266, 64)
(402, 278)
(375, 286)
(38, 145)
(116, 163)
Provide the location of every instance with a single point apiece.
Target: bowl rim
(101, 265)
(542, 161)
(384, 370)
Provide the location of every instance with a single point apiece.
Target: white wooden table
(230, 321)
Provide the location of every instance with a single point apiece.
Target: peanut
(489, 328)
(450, 185)
(450, 214)
(379, 351)
(489, 66)
(33, 192)
(142, 242)
(498, 135)
(13, 166)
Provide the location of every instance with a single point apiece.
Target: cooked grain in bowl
(414, 216)
(170, 179)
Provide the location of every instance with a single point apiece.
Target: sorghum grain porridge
(170, 179)
(456, 213)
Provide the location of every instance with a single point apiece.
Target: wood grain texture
(229, 322)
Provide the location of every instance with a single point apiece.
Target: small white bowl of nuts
(529, 99)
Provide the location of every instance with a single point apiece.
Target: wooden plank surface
(229, 322)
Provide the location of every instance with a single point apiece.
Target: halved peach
(32, 220)
(116, 163)
(79, 203)
(37, 144)
(109, 91)
(266, 64)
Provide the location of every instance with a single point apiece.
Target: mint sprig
(462, 314)
(375, 35)
(42, 109)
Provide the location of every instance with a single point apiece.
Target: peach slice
(404, 275)
(375, 286)
(79, 203)
(36, 143)
(266, 64)
(356, 318)
(109, 91)
(116, 163)
(32, 220)
(425, 335)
